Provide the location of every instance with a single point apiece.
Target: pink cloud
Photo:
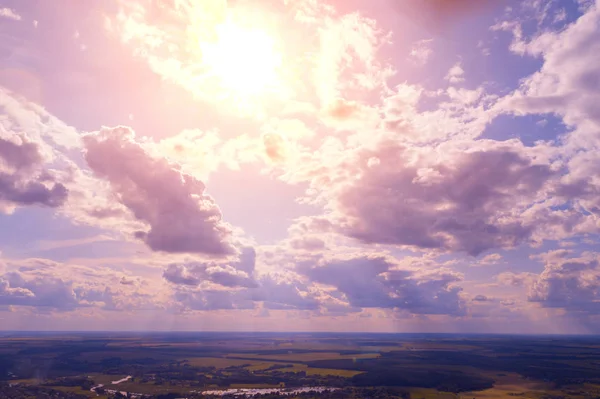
(182, 218)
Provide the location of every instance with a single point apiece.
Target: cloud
(273, 291)
(480, 298)
(343, 58)
(23, 177)
(465, 200)
(308, 243)
(127, 281)
(39, 292)
(9, 14)
(182, 218)
(375, 282)
(38, 125)
(196, 151)
(349, 115)
(228, 274)
(275, 146)
(456, 74)
(45, 285)
(570, 283)
(491, 259)
(194, 274)
(515, 279)
(567, 84)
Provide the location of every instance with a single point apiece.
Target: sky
(300, 165)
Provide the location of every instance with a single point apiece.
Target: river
(113, 383)
(245, 392)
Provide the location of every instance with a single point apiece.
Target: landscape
(298, 365)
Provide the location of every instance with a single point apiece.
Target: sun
(243, 60)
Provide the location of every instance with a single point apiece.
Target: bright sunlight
(245, 61)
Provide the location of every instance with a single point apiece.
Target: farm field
(306, 357)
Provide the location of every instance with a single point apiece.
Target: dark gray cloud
(465, 202)
(182, 217)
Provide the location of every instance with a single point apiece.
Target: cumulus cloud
(273, 291)
(460, 114)
(567, 85)
(23, 177)
(310, 243)
(181, 216)
(45, 285)
(238, 285)
(233, 274)
(467, 200)
(570, 283)
(515, 279)
(39, 292)
(375, 282)
(456, 74)
(491, 259)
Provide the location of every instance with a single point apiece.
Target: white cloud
(10, 14)
(456, 74)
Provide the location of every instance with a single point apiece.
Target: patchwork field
(306, 357)
(318, 371)
(224, 362)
